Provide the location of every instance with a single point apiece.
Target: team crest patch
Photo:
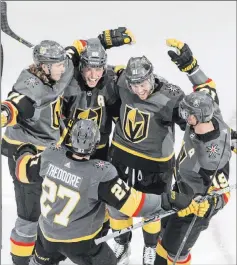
(42, 50)
(213, 150)
(173, 89)
(94, 114)
(101, 164)
(196, 103)
(31, 82)
(135, 124)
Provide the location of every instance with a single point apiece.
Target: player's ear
(45, 68)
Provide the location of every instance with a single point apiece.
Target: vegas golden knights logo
(90, 114)
(182, 154)
(55, 113)
(135, 124)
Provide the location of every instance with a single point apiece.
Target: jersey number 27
(52, 194)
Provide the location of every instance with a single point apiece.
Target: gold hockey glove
(8, 114)
(4, 118)
(184, 204)
(116, 37)
(184, 57)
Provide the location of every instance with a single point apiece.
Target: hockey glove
(118, 69)
(73, 52)
(8, 114)
(216, 203)
(184, 57)
(4, 118)
(116, 37)
(234, 145)
(234, 141)
(25, 148)
(183, 203)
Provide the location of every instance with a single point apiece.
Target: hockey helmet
(94, 55)
(138, 70)
(200, 104)
(85, 136)
(48, 52)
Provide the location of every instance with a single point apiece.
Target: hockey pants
(173, 235)
(23, 235)
(82, 253)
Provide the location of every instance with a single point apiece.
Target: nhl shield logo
(90, 114)
(135, 124)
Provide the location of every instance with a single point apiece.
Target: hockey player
(31, 113)
(142, 148)
(94, 76)
(95, 101)
(206, 147)
(75, 190)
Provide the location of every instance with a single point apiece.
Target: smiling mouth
(92, 79)
(142, 94)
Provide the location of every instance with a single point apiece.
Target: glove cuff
(5, 107)
(190, 66)
(165, 202)
(25, 148)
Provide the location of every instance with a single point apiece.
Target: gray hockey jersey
(95, 104)
(143, 137)
(77, 196)
(199, 158)
(74, 194)
(43, 128)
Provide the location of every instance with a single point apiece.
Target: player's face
(92, 75)
(56, 70)
(192, 120)
(143, 89)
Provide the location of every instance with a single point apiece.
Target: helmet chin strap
(52, 81)
(49, 66)
(152, 82)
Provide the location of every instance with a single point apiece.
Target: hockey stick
(195, 217)
(1, 60)
(157, 217)
(6, 29)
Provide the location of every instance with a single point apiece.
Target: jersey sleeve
(112, 85)
(28, 168)
(130, 202)
(19, 107)
(175, 95)
(202, 83)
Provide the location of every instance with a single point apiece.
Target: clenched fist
(116, 37)
(184, 57)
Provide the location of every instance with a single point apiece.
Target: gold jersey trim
(88, 237)
(16, 142)
(135, 153)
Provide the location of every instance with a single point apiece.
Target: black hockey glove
(116, 37)
(216, 203)
(73, 54)
(184, 204)
(25, 148)
(184, 57)
(234, 141)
